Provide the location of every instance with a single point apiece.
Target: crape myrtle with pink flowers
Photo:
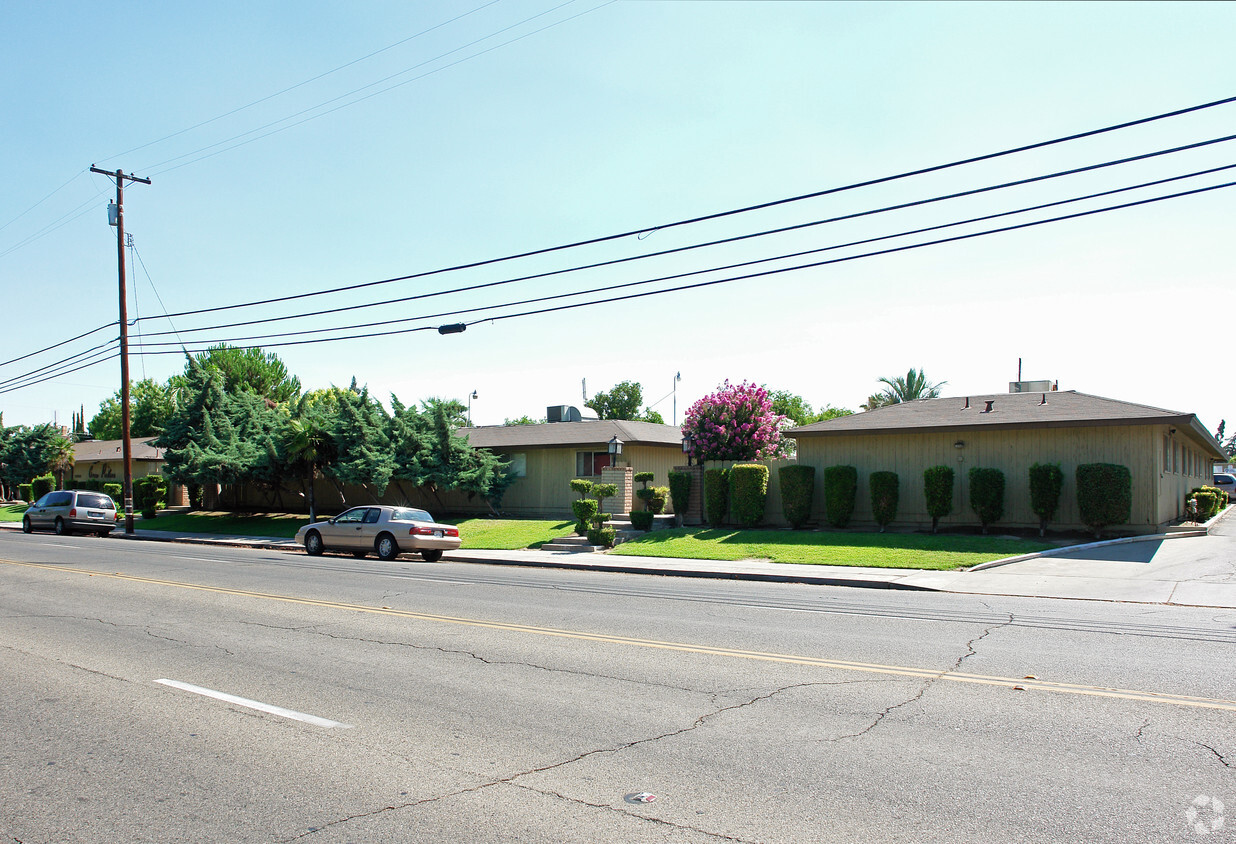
(736, 422)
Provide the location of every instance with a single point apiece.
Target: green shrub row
(716, 495)
(42, 485)
(748, 492)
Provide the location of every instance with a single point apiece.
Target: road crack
(927, 683)
(510, 778)
(1222, 760)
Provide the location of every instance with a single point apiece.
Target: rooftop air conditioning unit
(1030, 387)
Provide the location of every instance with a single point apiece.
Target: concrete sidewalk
(1182, 569)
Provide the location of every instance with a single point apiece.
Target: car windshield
(407, 514)
(95, 500)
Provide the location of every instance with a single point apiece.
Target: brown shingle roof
(92, 450)
(1068, 409)
(550, 434)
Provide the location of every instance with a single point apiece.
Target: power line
(718, 215)
(10, 387)
(58, 345)
(724, 268)
(661, 253)
(748, 276)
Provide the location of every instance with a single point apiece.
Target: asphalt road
(452, 702)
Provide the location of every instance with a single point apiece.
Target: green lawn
(12, 512)
(510, 534)
(882, 550)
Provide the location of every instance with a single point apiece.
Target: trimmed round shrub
(748, 493)
(1207, 501)
(1104, 495)
(116, 491)
(42, 485)
(1046, 481)
(602, 536)
(885, 494)
(644, 477)
(149, 494)
(938, 490)
(641, 519)
(585, 509)
(797, 490)
(840, 491)
(656, 504)
(680, 491)
(987, 495)
(581, 486)
(716, 495)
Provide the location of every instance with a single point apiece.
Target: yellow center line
(1026, 684)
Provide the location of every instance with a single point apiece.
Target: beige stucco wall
(112, 471)
(1157, 495)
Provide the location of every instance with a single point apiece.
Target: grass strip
(831, 548)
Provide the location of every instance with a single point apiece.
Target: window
(517, 466)
(588, 464)
(1175, 457)
(1167, 454)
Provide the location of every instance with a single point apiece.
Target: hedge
(987, 495)
(716, 495)
(840, 491)
(42, 485)
(748, 493)
(641, 519)
(797, 491)
(602, 536)
(1046, 481)
(885, 493)
(1210, 500)
(116, 491)
(23, 491)
(938, 490)
(680, 492)
(1104, 495)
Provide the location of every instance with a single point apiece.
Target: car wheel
(26, 527)
(359, 554)
(431, 556)
(61, 528)
(313, 544)
(386, 547)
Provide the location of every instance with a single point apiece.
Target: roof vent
(562, 413)
(967, 407)
(990, 407)
(1044, 401)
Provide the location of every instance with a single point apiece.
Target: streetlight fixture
(470, 398)
(677, 378)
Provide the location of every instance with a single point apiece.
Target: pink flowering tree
(736, 422)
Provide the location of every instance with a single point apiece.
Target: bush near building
(1104, 495)
(840, 492)
(748, 493)
(885, 495)
(797, 491)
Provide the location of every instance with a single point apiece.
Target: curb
(807, 579)
(1086, 546)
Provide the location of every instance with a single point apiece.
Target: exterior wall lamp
(615, 450)
(688, 443)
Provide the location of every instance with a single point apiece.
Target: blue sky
(614, 117)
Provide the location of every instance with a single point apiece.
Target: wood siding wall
(1158, 496)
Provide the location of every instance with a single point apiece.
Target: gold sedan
(385, 530)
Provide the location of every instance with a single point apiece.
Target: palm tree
(913, 386)
(59, 455)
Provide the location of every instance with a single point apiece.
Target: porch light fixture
(615, 446)
(959, 444)
(688, 443)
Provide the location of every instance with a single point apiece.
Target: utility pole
(126, 439)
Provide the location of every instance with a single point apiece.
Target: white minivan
(69, 510)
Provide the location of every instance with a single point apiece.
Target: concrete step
(576, 544)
